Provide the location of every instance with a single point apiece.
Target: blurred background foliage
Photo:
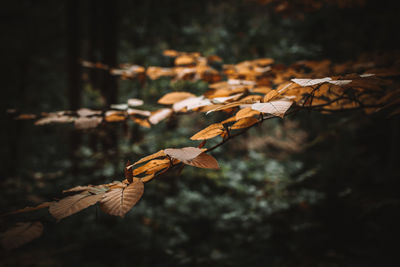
(312, 190)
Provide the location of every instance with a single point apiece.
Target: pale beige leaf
(246, 112)
(184, 154)
(244, 123)
(87, 122)
(174, 97)
(85, 112)
(277, 108)
(21, 234)
(203, 161)
(150, 157)
(191, 103)
(73, 204)
(310, 82)
(160, 115)
(134, 102)
(119, 201)
(209, 132)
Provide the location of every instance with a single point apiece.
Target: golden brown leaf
(153, 165)
(244, 123)
(21, 234)
(209, 132)
(203, 161)
(246, 112)
(27, 209)
(174, 97)
(119, 201)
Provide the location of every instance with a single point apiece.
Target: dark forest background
(312, 190)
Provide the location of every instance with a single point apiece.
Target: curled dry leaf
(172, 98)
(184, 154)
(128, 172)
(277, 108)
(119, 201)
(203, 161)
(310, 82)
(244, 123)
(27, 209)
(150, 157)
(73, 204)
(209, 132)
(21, 234)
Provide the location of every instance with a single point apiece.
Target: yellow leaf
(209, 132)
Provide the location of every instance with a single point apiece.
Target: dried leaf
(183, 154)
(244, 123)
(150, 157)
(21, 234)
(27, 209)
(73, 204)
(114, 116)
(119, 201)
(191, 103)
(128, 172)
(203, 161)
(310, 82)
(85, 112)
(209, 132)
(277, 108)
(174, 97)
(142, 122)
